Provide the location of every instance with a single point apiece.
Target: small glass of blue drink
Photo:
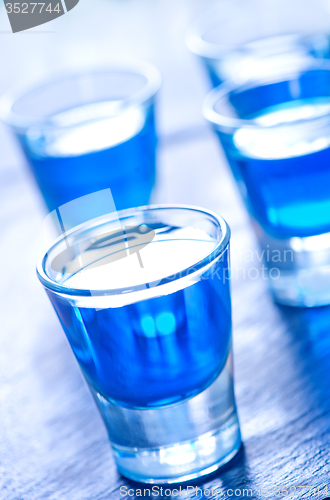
(237, 40)
(275, 132)
(89, 132)
(144, 300)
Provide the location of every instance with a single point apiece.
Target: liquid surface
(264, 57)
(286, 169)
(89, 150)
(159, 351)
(137, 263)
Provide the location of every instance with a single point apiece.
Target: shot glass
(144, 300)
(275, 132)
(89, 132)
(241, 39)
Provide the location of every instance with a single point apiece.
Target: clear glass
(238, 39)
(144, 300)
(275, 133)
(90, 131)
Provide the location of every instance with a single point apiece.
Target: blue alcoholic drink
(79, 156)
(275, 132)
(146, 308)
(286, 173)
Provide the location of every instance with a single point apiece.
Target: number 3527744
(31, 8)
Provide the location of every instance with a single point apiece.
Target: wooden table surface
(53, 444)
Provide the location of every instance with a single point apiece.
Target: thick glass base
(298, 269)
(179, 442)
(181, 462)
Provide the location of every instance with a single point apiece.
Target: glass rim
(197, 44)
(222, 91)
(197, 267)
(139, 67)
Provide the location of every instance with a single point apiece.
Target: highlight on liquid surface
(152, 352)
(286, 169)
(94, 147)
(264, 56)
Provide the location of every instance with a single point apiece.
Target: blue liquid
(284, 172)
(263, 57)
(158, 351)
(66, 166)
